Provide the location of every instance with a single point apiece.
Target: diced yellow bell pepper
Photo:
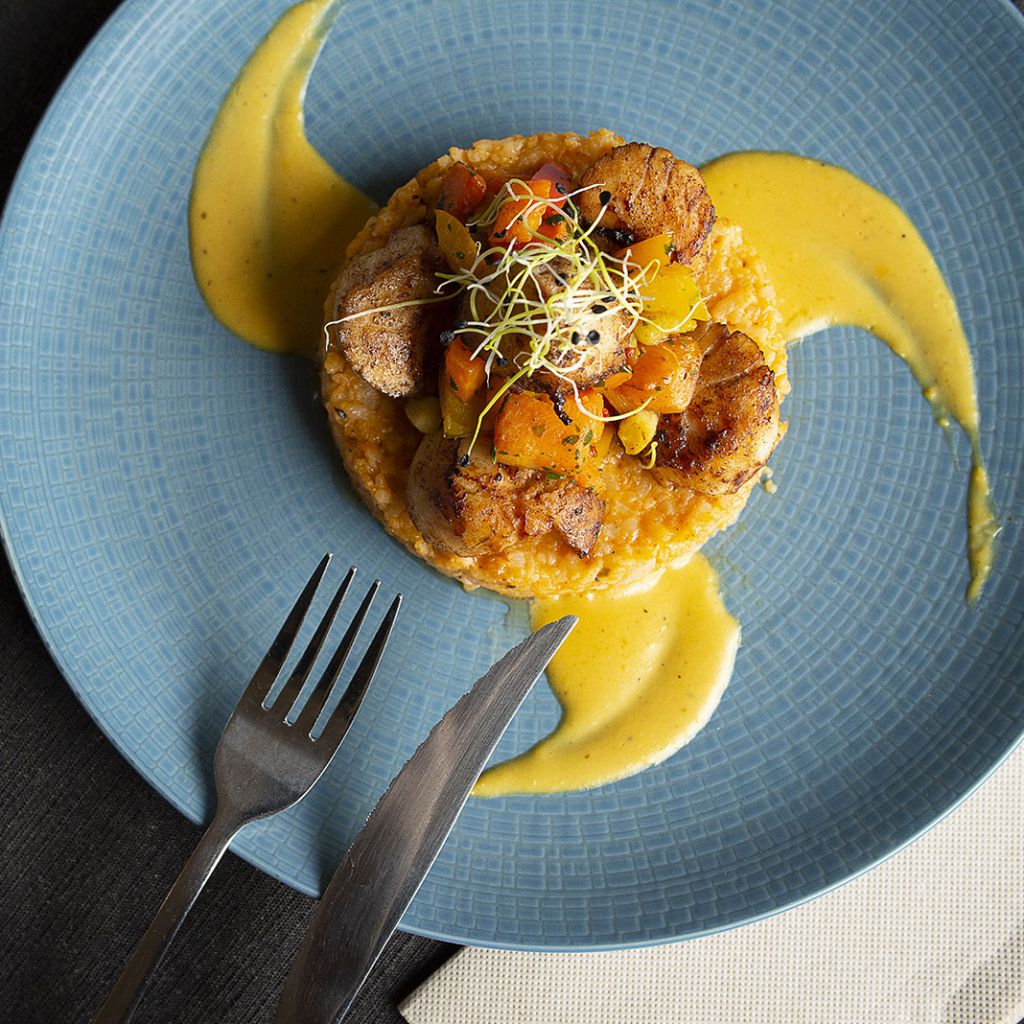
(458, 245)
(672, 303)
(459, 418)
(656, 250)
(601, 444)
(637, 432)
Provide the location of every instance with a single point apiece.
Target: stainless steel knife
(391, 855)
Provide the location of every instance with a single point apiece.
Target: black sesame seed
(598, 308)
(593, 337)
(558, 401)
(574, 338)
(617, 237)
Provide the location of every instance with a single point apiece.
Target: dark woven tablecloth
(87, 849)
(88, 852)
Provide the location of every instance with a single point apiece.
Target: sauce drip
(637, 678)
(840, 252)
(269, 219)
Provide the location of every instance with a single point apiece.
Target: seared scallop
(464, 503)
(731, 426)
(648, 191)
(391, 348)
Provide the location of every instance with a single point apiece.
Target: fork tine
(284, 702)
(341, 718)
(318, 698)
(264, 676)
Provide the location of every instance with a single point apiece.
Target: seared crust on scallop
(649, 191)
(731, 426)
(483, 507)
(391, 349)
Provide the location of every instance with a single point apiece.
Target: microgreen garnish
(525, 304)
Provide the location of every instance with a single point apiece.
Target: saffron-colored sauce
(269, 219)
(638, 677)
(840, 252)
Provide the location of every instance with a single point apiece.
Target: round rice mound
(650, 522)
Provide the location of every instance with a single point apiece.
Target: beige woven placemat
(935, 935)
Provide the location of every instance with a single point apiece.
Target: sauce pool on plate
(645, 669)
(269, 218)
(840, 252)
(638, 677)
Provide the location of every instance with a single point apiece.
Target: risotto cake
(548, 368)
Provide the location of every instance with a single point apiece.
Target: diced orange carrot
(529, 432)
(520, 221)
(593, 402)
(616, 380)
(463, 371)
(663, 377)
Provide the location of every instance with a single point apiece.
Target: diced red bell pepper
(556, 174)
(462, 191)
(520, 221)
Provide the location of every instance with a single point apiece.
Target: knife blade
(379, 876)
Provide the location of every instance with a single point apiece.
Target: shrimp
(648, 192)
(731, 426)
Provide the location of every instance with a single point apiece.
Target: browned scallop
(731, 426)
(591, 335)
(483, 508)
(391, 349)
(649, 191)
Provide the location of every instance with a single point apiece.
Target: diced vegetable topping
(462, 191)
(464, 373)
(538, 214)
(662, 380)
(531, 431)
(638, 431)
(424, 414)
(459, 247)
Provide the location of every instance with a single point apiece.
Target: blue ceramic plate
(166, 488)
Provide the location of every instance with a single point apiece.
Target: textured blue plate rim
(127, 14)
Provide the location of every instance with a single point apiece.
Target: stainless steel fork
(263, 764)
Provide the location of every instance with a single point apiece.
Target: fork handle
(124, 997)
